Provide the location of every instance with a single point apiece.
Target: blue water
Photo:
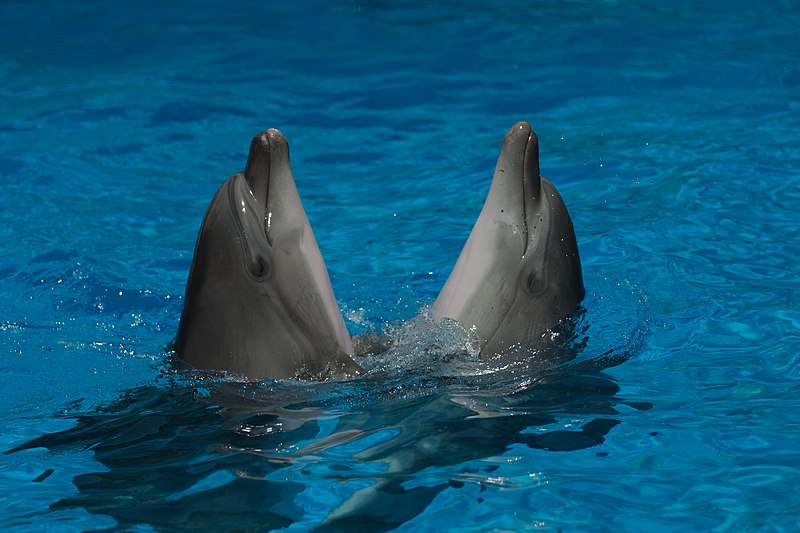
(671, 129)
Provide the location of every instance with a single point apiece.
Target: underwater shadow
(247, 457)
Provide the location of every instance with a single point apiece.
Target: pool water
(671, 130)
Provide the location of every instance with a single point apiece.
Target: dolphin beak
(256, 172)
(531, 180)
(267, 161)
(521, 154)
(516, 187)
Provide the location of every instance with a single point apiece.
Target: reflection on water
(367, 454)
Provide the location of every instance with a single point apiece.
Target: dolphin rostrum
(259, 301)
(519, 273)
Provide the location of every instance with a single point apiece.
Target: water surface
(671, 131)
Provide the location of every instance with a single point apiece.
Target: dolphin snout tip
(275, 136)
(520, 137)
(259, 146)
(520, 141)
(267, 141)
(267, 149)
(278, 145)
(520, 129)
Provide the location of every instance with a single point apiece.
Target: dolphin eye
(534, 282)
(258, 267)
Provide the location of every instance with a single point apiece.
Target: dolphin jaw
(258, 173)
(531, 184)
(515, 194)
(271, 184)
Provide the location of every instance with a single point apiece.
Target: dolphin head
(258, 300)
(519, 272)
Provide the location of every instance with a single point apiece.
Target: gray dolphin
(519, 273)
(258, 300)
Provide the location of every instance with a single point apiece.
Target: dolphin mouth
(526, 192)
(258, 172)
(531, 182)
(249, 198)
(529, 166)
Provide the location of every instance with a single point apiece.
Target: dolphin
(519, 273)
(259, 301)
